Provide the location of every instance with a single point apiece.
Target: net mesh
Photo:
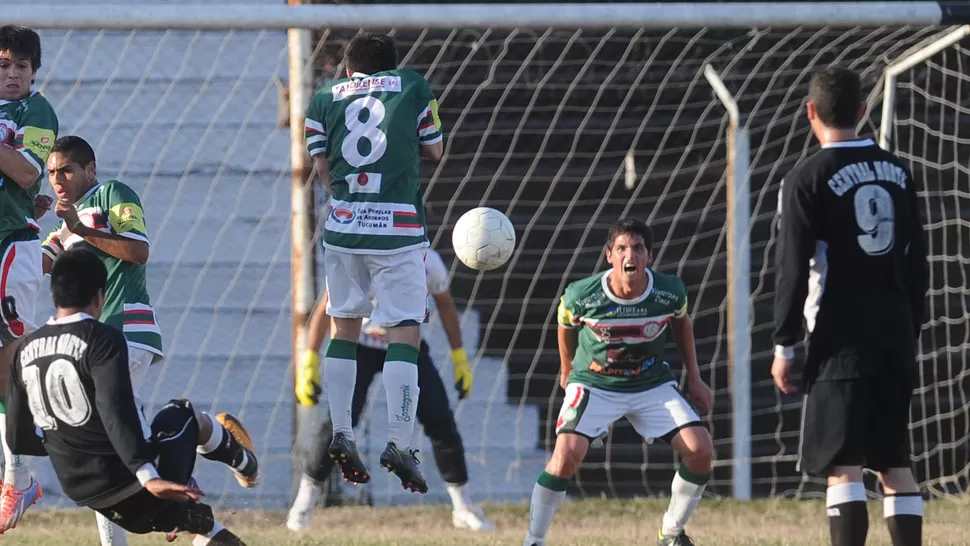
(565, 131)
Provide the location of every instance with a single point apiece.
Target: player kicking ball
(612, 331)
(70, 380)
(434, 413)
(851, 259)
(367, 134)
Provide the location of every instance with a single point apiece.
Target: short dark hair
(371, 53)
(631, 226)
(836, 93)
(76, 278)
(22, 42)
(76, 148)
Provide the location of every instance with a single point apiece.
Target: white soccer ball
(483, 239)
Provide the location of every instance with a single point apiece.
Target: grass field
(587, 523)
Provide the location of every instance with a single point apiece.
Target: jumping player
(851, 258)
(612, 331)
(28, 128)
(434, 412)
(367, 134)
(71, 399)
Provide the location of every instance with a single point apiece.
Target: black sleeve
(796, 246)
(916, 266)
(115, 399)
(22, 437)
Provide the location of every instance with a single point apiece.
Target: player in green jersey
(28, 128)
(612, 331)
(367, 134)
(107, 218)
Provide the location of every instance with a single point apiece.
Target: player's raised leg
(348, 289)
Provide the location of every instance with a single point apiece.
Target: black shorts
(175, 432)
(857, 412)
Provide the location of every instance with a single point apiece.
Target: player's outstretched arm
(307, 385)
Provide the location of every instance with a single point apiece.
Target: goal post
(563, 116)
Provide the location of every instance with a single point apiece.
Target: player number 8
(876, 217)
(369, 130)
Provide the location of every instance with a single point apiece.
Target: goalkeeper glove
(463, 372)
(308, 379)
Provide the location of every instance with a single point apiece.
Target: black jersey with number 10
(70, 378)
(850, 252)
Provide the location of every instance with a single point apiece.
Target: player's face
(629, 255)
(16, 75)
(70, 180)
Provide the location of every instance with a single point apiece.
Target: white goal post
(759, 134)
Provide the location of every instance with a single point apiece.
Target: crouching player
(70, 378)
(612, 330)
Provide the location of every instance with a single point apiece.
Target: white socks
(14, 470)
(340, 379)
(111, 534)
(459, 497)
(401, 387)
(203, 540)
(685, 494)
(547, 495)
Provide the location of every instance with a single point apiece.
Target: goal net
(565, 130)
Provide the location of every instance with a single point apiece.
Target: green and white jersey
(30, 127)
(115, 208)
(621, 341)
(371, 128)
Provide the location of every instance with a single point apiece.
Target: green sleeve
(52, 245)
(680, 304)
(37, 132)
(125, 214)
(569, 314)
(429, 123)
(314, 132)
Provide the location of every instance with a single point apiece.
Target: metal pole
(901, 65)
(302, 221)
(739, 287)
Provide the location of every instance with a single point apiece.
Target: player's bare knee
(347, 329)
(409, 334)
(898, 480)
(844, 474)
(568, 455)
(695, 446)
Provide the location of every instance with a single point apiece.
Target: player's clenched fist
(463, 372)
(308, 379)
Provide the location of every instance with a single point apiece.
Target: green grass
(579, 523)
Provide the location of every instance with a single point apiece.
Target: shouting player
(850, 240)
(106, 218)
(28, 128)
(433, 412)
(367, 134)
(612, 331)
(70, 379)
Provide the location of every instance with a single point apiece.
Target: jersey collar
(861, 143)
(88, 193)
(359, 75)
(70, 319)
(605, 281)
(6, 102)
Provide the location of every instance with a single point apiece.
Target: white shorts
(21, 274)
(391, 289)
(138, 362)
(655, 413)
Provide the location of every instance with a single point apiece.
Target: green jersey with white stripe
(115, 208)
(30, 127)
(370, 128)
(621, 341)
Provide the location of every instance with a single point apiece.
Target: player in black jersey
(70, 378)
(850, 240)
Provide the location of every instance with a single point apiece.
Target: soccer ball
(483, 239)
